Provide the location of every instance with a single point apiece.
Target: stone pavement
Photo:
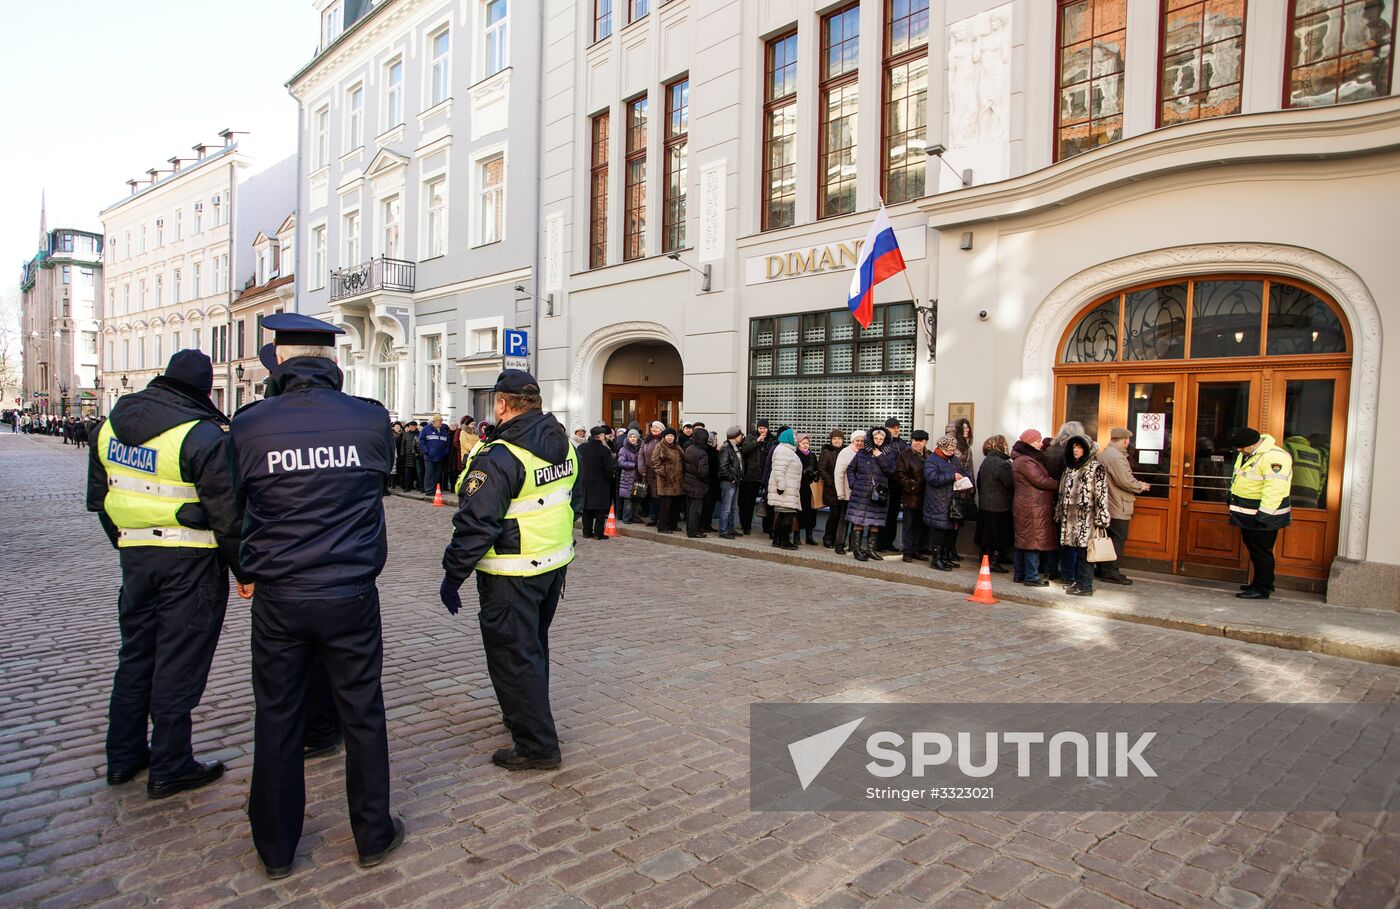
(1292, 620)
(657, 654)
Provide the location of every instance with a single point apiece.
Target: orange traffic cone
(983, 593)
(610, 528)
(437, 496)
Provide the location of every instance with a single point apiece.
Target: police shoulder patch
(1276, 467)
(475, 480)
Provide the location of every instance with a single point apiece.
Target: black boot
(858, 545)
(810, 540)
(950, 555)
(785, 537)
(872, 547)
(938, 562)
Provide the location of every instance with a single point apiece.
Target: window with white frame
(127, 247)
(388, 375)
(156, 341)
(240, 343)
(391, 227)
(491, 201)
(435, 204)
(485, 340)
(179, 223)
(350, 247)
(318, 257)
(143, 238)
(321, 138)
(160, 232)
(198, 217)
(393, 93)
(175, 340)
(495, 34)
(196, 285)
(221, 276)
(126, 353)
(141, 294)
(160, 291)
(432, 372)
(355, 118)
(87, 276)
(440, 66)
(67, 274)
(175, 289)
(126, 298)
(111, 360)
(332, 24)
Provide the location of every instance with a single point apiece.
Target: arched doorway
(643, 381)
(1180, 363)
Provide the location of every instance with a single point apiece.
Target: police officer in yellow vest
(1259, 504)
(1309, 471)
(514, 527)
(161, 481)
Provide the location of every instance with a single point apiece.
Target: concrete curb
(1380, 653)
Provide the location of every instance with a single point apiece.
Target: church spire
(43, 219)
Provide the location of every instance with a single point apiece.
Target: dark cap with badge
(292, 329)
(516, 382)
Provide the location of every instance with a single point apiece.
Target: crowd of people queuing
(1038, 504)
(73, 429)
(432, 454)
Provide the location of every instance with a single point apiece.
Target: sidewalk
(1293, 621)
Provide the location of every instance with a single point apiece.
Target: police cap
(517, 382)
(294, 329)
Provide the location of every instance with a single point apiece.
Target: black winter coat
(731, 464)
(696, 460)
(756, 456)
(597, 467)
(996, 484)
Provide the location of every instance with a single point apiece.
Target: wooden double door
(1182, 422)
(623, 404)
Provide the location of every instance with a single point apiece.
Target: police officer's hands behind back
(245, 591)
(451, 598)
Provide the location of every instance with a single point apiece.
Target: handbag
(640, 490)
(818, 497)
(955, 512)
(1101, 547)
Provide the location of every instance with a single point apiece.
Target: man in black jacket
(696, 480)
(160, 482)
(894, 446)
(755, 452)
(730, 470)
(311, 462)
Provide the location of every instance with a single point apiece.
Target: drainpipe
(539, 198)
(232, 273)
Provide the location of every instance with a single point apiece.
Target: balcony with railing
(379, 274)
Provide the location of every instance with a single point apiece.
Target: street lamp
(239, 372)
(125, 382)
(97, 387)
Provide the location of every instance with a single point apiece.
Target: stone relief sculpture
(979, 78)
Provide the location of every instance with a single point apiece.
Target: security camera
(982, 314)
(935, 151)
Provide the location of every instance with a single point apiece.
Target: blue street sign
(517, 343)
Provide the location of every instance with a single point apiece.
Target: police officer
(159, 479)
(514, 525)
(1259, 504)
(310, 464)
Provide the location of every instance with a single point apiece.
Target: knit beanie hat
(668, 431)
(858, 434)
(786, 436)
(1031, 436)
(193, 369)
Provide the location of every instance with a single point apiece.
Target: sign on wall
(712, 209)
(837, 256)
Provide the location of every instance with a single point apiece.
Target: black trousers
(343, 634)
(1118, 533)
(515, 617)
(322, 724)
(913, 531)
(171, 610)
(835, 518)
(595, 521)
(695, 515)
(666, 515)
(1260, 544)
(748, 497)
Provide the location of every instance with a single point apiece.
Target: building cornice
(1316, 134)
(364, 32)
(220, 155)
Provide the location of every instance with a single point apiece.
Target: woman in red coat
(1032, 509)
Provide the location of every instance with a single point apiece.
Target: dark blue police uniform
(310, 464)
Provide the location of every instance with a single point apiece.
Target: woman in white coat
(785, 490)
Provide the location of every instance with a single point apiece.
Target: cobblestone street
(657, 653)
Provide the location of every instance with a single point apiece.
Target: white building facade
(418, 194)
(1172, 216)
(177, 244)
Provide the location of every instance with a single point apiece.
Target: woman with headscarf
(627, 461)
(785, 489)
(995, 489)
(807, 518)
(1082, 511)
(941, 471)
(868, 476)
(668, 477)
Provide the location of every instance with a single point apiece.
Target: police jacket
(496, 477)
(310, 467)
(1259, 492)
(204, 459)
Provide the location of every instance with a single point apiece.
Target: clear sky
(94, 93)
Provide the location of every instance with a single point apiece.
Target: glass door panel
(1309, 421)
(1218, 404)
(1151, 419)
(1082, 402)
(1307, 435)
(1220, 408)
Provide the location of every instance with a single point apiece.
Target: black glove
(450, 597)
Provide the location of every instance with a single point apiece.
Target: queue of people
(1044, 510)
(434, 453)
(73, 430)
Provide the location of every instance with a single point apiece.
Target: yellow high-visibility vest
(543, 513)
(1259, 492)
(145, 490)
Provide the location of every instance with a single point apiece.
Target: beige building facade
(271, 290)
(1176, 217)
(59, 323)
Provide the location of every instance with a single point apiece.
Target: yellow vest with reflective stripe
(1260, 489)
(145, 490)
(543, 513)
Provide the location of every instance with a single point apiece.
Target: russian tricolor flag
(880, 258)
